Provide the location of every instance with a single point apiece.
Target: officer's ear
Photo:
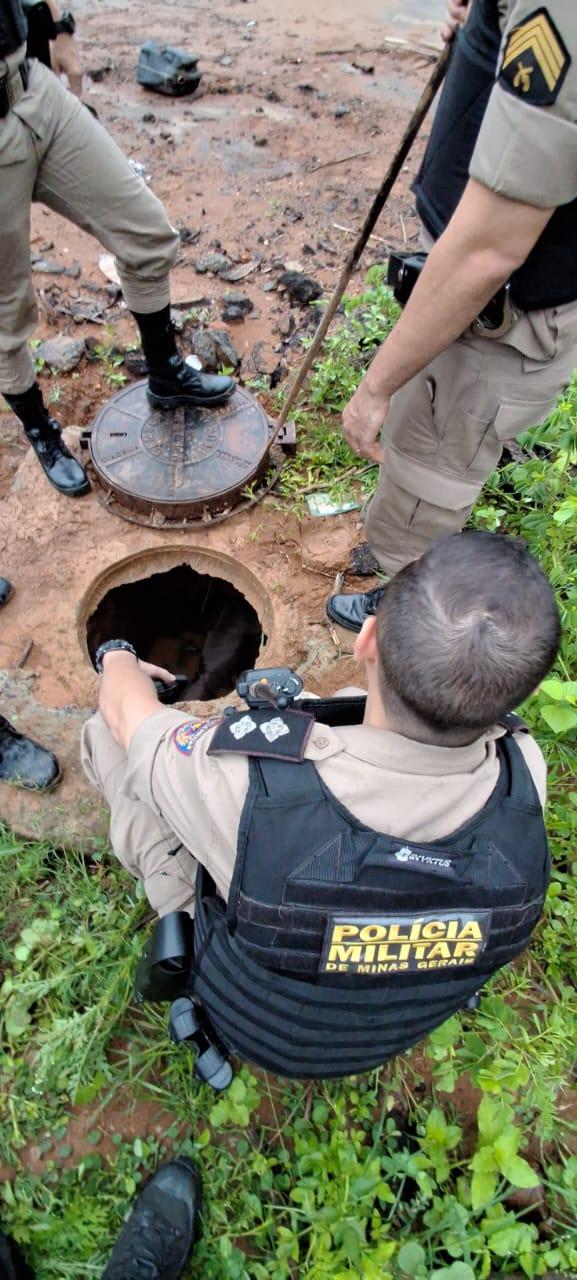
(366, 649)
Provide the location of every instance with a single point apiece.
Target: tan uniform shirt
(525, 151)
(390, 783)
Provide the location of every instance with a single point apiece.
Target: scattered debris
(342, 110)
(265, 362)
(97, 74)
(167, 70)
(214, 263)
(293, 265)
(61, 353)
(74, 271)
(48, 267)
(357, 155)
(149, 117)
(320, 504)
(363, 562)
(107, 266)
(215, 349)
(235, 306)
(225, 60)
(241, 272)
(301, 288)
(188, 235)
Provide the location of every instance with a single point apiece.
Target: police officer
(52, 150)
(366, 867)
(497, 197)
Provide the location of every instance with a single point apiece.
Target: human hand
(456, 17)
(65, 60)
(156, 673)
(363, 419)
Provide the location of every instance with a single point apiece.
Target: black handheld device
(277, 685)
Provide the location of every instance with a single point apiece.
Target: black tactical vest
(341, 947)
(13, 27)
(548, 277)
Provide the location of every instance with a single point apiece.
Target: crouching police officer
(488, 337)
(52, 150)
(365, 863)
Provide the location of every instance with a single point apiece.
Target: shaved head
(468, 631)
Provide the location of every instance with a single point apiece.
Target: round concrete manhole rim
(155, 560)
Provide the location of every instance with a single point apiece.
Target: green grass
(430, 1167)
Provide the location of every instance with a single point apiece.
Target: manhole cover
(181, 465)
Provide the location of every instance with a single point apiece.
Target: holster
(165, 964)
(495, 320)
(41, 31)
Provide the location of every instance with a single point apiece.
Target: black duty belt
(12, 86)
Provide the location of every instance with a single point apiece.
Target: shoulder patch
(535, 60)
(185, 735)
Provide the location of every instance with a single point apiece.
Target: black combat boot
(5, 591)
(45, 436)
(350, 611)
(172, 382)
(24, 762)
(156, 1239)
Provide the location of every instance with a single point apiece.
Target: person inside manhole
(52, 150)
(355, 873)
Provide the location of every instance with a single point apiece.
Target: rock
(215, 349)
(149, 117)
(74, 270)
(269, 287)
(61, 353)
(48, 267)
(300, 288)
(215, 263)
(236, 306)
(342, 110)
(189, 235)
(294, 267)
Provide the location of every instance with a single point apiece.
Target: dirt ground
(273, 162)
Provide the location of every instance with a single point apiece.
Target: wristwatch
(66, 24)
(108, 647)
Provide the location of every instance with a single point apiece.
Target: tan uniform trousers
(445, 429)
(142, 841)
(52, 150)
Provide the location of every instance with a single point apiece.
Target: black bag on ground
(168, 70)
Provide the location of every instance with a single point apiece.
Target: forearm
(486, 240)
(127, 695)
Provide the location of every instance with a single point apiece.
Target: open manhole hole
(183, 615)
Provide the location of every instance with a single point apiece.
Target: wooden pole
(368, 226)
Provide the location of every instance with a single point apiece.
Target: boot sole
(176, 402)
(29, 786)
(69, 493)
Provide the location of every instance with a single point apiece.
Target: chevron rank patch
(535, 60)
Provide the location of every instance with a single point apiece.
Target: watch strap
(108, 647)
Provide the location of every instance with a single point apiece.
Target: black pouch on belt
(404, 270)
(41, 30)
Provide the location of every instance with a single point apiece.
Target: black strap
(513, 723)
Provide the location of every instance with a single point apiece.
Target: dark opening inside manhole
(192, 623)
